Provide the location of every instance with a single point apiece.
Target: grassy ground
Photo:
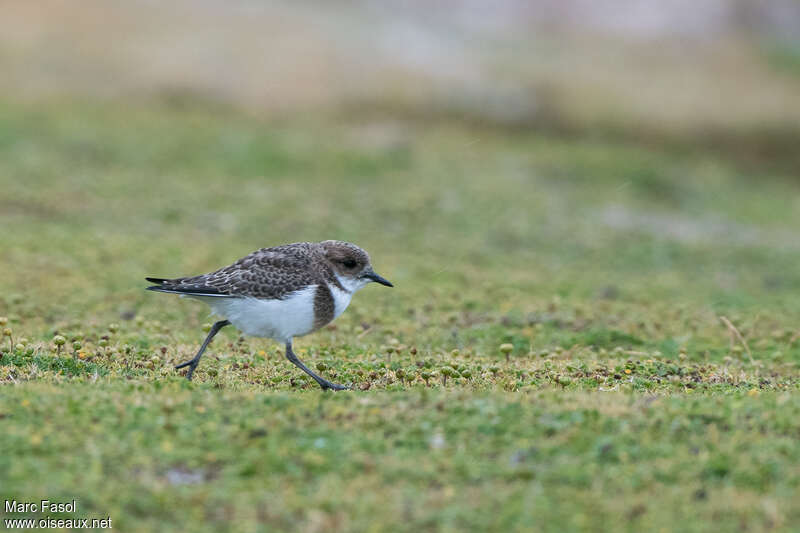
(553, 356)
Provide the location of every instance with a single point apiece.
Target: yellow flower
(627, 370)
(753, 393)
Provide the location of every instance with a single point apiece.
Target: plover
(280, 293)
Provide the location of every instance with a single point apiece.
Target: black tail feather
(197, 290)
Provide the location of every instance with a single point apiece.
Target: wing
(267, 273)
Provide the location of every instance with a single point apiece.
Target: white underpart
(281, 319)
(275, 319)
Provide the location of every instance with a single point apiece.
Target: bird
(280, 293)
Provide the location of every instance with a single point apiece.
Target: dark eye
(349, 263)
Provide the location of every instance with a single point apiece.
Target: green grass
(624, 402)
(418, 460)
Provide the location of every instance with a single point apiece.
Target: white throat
(351, 285)
(341, 298)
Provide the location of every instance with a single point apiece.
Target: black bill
(378, 279)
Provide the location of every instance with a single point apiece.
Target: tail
(159, 284)
(174, 286)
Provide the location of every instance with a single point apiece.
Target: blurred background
(503, 154)
(641, 67)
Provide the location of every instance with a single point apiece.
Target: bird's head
(351, 265)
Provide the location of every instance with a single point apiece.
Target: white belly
(276, 319)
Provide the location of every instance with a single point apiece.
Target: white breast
(276, 319)
(341, 299)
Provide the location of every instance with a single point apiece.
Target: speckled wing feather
(266, 273)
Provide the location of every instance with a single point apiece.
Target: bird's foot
(192, 364)
(333, 386)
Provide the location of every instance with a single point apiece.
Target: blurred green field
(624, 401)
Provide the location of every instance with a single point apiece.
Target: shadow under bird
(279, 293)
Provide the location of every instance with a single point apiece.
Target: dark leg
(192, 363)
(324, 383)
